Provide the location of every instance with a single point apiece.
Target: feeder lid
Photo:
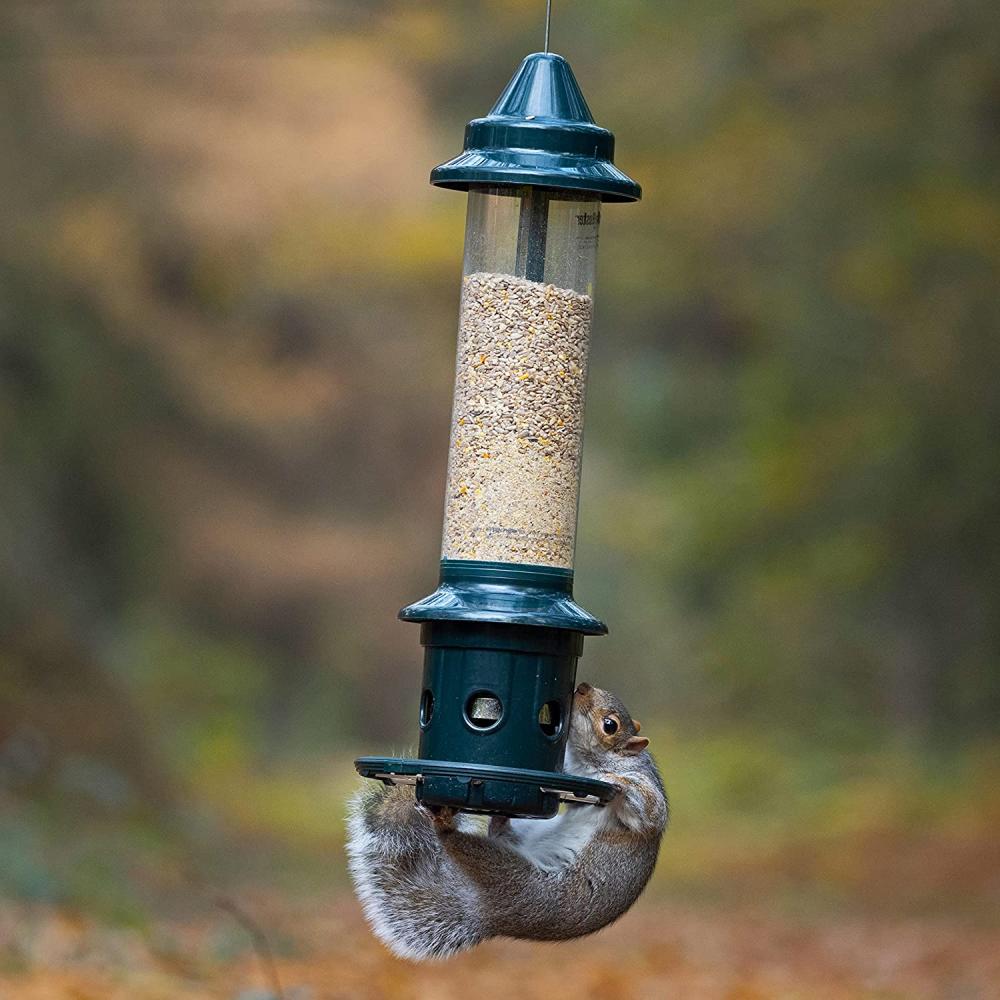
(540, 132)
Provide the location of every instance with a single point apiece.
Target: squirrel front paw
(613, 779)
(499, 826)
(442, 817)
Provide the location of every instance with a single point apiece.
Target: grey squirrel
(431, 886)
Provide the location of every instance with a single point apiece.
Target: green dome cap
(540, 132)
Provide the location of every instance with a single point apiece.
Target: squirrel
(431, 884)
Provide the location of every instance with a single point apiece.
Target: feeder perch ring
(468, 786)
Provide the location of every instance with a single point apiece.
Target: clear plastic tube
(524, 336)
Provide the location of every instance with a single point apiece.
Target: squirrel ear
(637, 724)
(636, 744)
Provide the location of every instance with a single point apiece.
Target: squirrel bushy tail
(401, 874)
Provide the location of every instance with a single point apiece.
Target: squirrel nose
(584, 688)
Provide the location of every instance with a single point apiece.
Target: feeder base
(480, 788)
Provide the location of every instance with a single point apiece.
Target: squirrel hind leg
(384, 823)
(408, 891)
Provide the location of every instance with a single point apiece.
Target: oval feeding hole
(426, 708)
(550, 718)
(483, 710)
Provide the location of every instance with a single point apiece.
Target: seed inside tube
(524, 412)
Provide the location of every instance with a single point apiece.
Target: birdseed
(517, 425)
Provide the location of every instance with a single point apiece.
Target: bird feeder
(502, 633)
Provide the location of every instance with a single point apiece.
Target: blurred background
(228, 302)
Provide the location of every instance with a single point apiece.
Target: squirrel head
(601, 724)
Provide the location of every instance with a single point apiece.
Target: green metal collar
(508, 593)
(540, 132)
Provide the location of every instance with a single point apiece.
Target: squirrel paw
(443, 818)
(499, 825)
(612, 779)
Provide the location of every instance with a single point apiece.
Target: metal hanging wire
(548, 22)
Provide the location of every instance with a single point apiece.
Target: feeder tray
(482, 788)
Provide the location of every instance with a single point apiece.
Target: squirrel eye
(610, 725)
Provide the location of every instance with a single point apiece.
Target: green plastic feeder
(502, 633)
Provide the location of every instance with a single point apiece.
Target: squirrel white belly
(430, 885)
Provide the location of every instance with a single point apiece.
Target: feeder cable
(548, 22)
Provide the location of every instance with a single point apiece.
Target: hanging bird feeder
(502, 633)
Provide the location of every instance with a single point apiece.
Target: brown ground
(661, 949)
